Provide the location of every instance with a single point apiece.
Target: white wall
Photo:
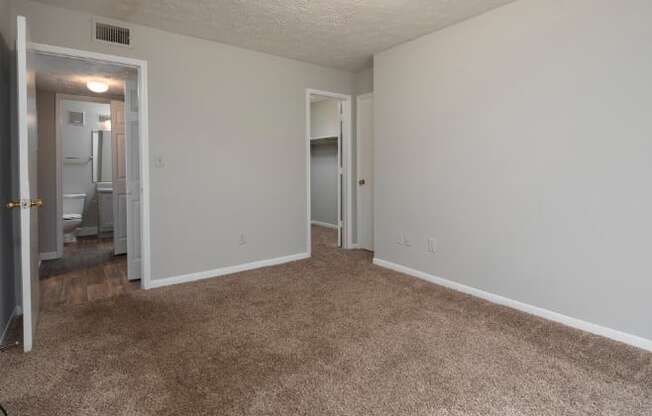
(323, 182)
(364, 81)
(324, 119)
(521, 140)
(230, 126)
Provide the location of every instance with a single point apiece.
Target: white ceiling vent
(111, 32)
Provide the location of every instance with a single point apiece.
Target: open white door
(340, 177)
(132, 138)
(27, 174)
(365, 153)
(119, 177)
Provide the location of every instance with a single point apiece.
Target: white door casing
(365, 157)
(345, 143)
(143, 231)
(119, 177)
(132, 139)
(27, 174)
(340, 172)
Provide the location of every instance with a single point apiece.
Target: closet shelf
(324, 139)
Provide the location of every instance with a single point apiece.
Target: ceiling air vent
(112, 33)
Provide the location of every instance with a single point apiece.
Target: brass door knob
(37, 202)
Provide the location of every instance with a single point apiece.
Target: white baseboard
(13, 316)
(192, 277)
(613, 334)
(50, 256)
(324, 224)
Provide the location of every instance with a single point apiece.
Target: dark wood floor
(88, 271)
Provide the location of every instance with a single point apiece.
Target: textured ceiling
(335, 33)
(69, 76)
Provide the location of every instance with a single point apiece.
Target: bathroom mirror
(102, 154)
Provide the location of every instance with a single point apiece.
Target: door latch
(30, 203)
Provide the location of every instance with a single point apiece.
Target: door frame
(59, 97)
(357, 155)
(141, 67)
(347, 132)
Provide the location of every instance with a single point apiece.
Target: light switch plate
(159, 162)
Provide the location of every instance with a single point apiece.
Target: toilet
(73, 208)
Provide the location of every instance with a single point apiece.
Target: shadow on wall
(7, 278)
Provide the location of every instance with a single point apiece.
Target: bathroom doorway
(28, 203)
(83, 109)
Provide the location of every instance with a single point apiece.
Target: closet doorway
(328, 153)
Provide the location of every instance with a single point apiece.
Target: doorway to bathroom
(28, 204)
(84, 110)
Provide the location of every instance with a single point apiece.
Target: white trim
(15, 313)
(223, 271)
(347, 147)
(308, 104)
(25, 260)
(365, 95)
(50, 256)
(324, 224)
(141, 67)
(613, 334)
(357, 161)
(43, 48)
(347, 144)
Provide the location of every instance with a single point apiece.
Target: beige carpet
(332, 335)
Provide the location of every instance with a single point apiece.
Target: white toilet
(73, 208)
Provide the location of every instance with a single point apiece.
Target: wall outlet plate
(431, 245)
(404, 240)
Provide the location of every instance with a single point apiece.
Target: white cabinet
(105, 207)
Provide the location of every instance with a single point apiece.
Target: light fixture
(97, 86)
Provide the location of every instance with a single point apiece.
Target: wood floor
(88, 271)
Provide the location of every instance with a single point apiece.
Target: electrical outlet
(404, 240)
(431, 245)
(243, 240)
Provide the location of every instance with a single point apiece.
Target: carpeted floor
(332, 335)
